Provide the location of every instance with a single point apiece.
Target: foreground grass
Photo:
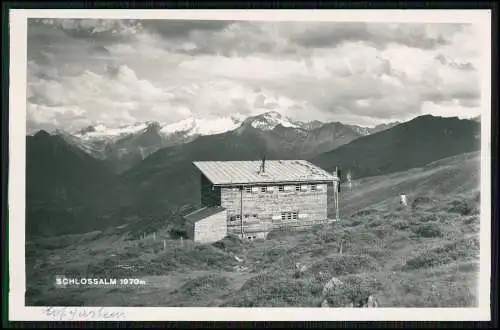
(423, 256)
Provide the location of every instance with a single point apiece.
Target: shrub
(473, 219)
(420, 201)
(192, 257)
(345, 264)
(204, 284)
(355, 289)
(375, 223)
(275, 290)
(352, 222)
(366, 212)
(428, 217)
(460, 207)
(401, 224)
(429, 230)
(463, 249)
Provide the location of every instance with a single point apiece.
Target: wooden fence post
(164, 244)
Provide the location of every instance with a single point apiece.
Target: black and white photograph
(220, 162)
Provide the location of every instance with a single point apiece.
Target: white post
(404, 202)
(154, 236)
(336, 182)
(182, 241)
(164, 244)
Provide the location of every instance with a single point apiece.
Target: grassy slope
(423, 256)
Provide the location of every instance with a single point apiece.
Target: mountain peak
(87, 129)
(154, 126)
(269, 120)
(42, 133)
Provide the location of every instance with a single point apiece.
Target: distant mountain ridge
(412, 144)
(126, 146)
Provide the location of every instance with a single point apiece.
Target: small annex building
(206, 225)
(259, 196)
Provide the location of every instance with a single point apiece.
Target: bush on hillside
(365, 212)
(420, 202)
(352, 222)
(427, 217)
(429, 230)
(400, 224)
(355, 289)
(460, 207)
(204, 284)
(275, 290)
(462, 250)
(345, 264)
(194, 257)
(474, 219)
(375, 223)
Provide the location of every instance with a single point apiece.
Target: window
(281, 188)
(248, 189)
(314, 187)
(247, 215)
(232, 218)
(263, 189)
(289, 215)
(255, 215)
(238, 217)
(297, 188)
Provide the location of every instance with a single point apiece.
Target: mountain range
(73, 185)
(122, 148)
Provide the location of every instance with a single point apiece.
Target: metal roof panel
(244, 172)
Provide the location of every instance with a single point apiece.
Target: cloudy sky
(118, 72)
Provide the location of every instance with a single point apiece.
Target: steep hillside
(306, 144)
(454, 175)
(63, 184)
(412, 144)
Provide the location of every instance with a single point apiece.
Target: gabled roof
(203, 213)
(247, 172)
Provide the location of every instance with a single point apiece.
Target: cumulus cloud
(117, 72)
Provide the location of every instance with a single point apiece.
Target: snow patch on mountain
(269, 120)
(208, 126)
(101, 131)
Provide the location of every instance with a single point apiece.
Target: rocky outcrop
(368, 302)
(331, 284)
(300, 269)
